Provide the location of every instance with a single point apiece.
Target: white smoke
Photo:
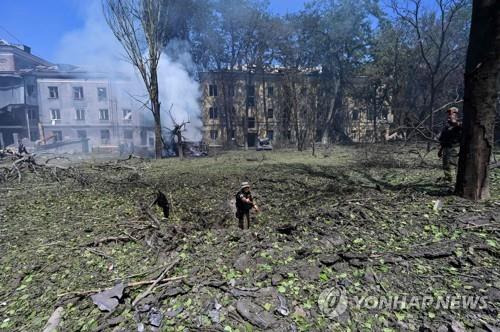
(94, 47)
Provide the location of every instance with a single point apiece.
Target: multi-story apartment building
(238, 107)
(18, 106)
(51, 104)
(235, 102)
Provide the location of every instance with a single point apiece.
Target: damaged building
(66, 107)
(240, 107)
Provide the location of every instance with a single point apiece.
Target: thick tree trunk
(158, 139)
(483, 60)
(179, 144)
(155, 108)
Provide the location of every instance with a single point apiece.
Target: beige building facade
(240, 107)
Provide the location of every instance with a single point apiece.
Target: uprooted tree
(141, 28)
(482, 67)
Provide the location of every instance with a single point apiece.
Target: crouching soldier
(450, 138)
(244, 203)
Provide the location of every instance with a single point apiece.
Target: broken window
(270, 91)
(127, 114)
(31, 89)
(212, 113)
(55, 114)
(81, 134)
(270, 113)
(102, 94)
(214, 134)
(57, 134)
(32, 114)
(53, 92)
(251, 95)
(212, 90)
(105, 135)
(144, 137)
(103, 114)
(128, 134)
(80, 114)
(77, 92)
(251, 123)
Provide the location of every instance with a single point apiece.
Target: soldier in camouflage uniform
(244, 203)
(450, 138)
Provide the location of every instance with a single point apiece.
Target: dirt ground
(365, 222)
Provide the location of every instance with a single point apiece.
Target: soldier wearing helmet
(450, 138)
(244, 203)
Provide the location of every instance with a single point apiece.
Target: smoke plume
(94, 47)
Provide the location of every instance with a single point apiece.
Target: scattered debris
(286, 229)
(214, 308)
(282, 308)
(438, 205)
(155, 317)
(325, 223)
(108, 300)
(54, 320)
(255, 314)
(160, 278)
(174, 312)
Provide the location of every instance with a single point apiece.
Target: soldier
(244, 203)
(450, 138)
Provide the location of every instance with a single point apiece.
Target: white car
(264, 144)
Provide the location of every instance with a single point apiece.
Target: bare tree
(178, 128)
(480, 100)
(141, 28)
(437, 37)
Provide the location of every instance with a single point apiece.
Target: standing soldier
(244, 203)
(450, 138)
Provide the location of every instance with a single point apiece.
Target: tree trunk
(245, 119)
(179, 144)
(431, 111)
(264, 101)
(158, 139)
(482, 66)
(155, 108)
(375, 113)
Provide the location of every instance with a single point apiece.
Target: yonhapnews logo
(333, 301)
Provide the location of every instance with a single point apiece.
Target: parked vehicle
(264, 144)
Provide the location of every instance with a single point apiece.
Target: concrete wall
(7, 61)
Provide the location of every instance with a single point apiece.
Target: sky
(42, 24)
